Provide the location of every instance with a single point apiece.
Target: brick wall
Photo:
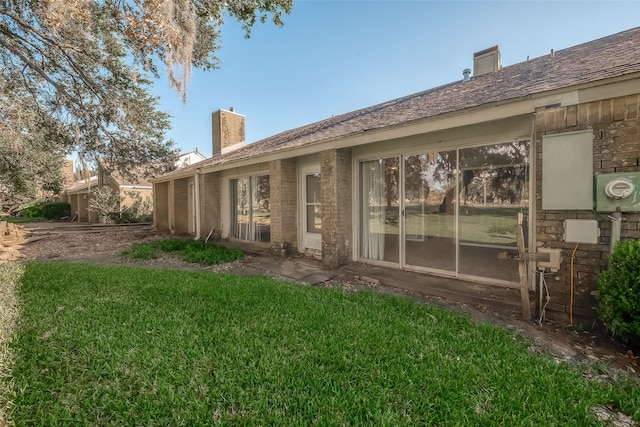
(161, 207)
(227, 129)
(210, 202)
(181, 206)
(284, 203)
(336, 190)
(616, 148)
(83, 205)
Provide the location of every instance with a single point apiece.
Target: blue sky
(336, 56)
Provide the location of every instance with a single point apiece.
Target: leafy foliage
(75, 76)
(139, 210)
(619, 291)
(56, 210)
(104, 203)
(33, 211)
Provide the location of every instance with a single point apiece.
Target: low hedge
(56, 210)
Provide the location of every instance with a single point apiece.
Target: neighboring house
(189, 158)
(80, 194)
(436, 181)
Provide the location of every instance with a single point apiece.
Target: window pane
(379, 209)
(430, 210)
(313, 188)
(261, 213)
(240, 205)
(493, 190)
(314, 219)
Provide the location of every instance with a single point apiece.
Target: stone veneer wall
(616, 148)
(336, 195)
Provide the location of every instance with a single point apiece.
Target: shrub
(104, 202)
(33, 211)
(619, 291)
(194, 251)
(56, 210)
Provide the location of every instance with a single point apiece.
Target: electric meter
(619, 188)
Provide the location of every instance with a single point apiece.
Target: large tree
(76, 73)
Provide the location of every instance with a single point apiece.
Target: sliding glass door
(493, 192)
(429, 210)
(446, 211)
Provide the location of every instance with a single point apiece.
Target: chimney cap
(467, 74)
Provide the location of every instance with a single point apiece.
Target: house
(437, 181)
(79, 194)
(128, 193)
(189, 158)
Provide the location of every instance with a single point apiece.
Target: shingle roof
(611, 56)
(79, 186)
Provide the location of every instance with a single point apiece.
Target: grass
(194, 251)
(16, 220)
(132, 346)
(10, 276)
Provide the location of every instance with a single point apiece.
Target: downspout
(197, 204)
(616, 225)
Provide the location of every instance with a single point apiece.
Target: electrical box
(581, 231)
(567, 171)
(617, 192)
(554, 259)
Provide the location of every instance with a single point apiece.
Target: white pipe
(616, 225)
(197, 204)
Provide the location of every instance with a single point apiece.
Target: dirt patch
(103, 245)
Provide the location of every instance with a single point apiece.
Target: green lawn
(133, 346)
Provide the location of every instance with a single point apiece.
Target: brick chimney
(486, 61)
(227, 131)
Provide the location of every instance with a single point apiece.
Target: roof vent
(486, 61)
(467, 74)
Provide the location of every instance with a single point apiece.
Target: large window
(250, 211)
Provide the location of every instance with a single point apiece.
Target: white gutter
(197, 204)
